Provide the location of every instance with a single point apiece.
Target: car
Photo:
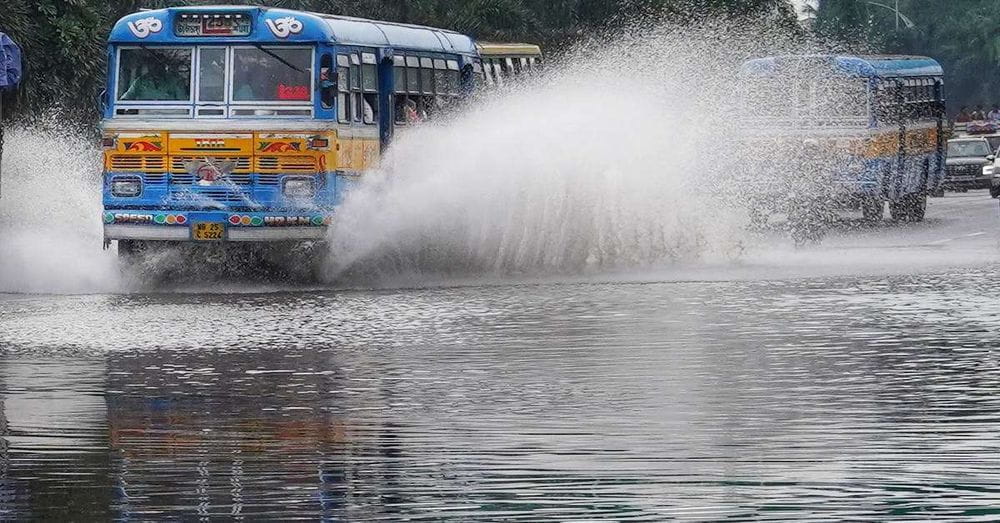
(969, 163)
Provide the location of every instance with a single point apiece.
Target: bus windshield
(968, 148)
(154, 75)
(240, 75)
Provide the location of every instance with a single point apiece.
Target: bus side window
(369, 88)
(426, 101)
(413, 75)
(356, 87)
(441, 87)
(454, 79)
(399, 84)
(327, 95)
(481, 76)
(343, 88)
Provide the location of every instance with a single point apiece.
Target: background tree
(964, 35)
(64, 40)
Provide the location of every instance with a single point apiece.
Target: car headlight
(126, 187)
(300, 188)
(989, 170)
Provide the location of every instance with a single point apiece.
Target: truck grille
(964, 170)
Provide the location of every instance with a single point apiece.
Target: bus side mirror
(991, 157)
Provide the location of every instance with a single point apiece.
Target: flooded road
(833, 396)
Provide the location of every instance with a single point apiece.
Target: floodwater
(562, 326)
(850, 397)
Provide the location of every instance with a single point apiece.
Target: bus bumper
(180, 226)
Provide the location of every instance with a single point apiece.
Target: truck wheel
(873, 209)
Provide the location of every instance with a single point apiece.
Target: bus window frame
(276, 103)
(134, 104)
(193, 105)
(369, 62)
(227, 81)
(344, 101)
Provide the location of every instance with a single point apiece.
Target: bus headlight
(300, 188)
(126, 187)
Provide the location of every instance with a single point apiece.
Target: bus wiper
(278, 58)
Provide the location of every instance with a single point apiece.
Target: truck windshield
(968, 148)
(154, 75)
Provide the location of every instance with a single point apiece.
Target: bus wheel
(917, 207)
(911, 208)
(130, 254)
(872, 209)
(806, 223)
(128, 250)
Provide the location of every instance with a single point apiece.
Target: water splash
(608, 162)
(50, 208)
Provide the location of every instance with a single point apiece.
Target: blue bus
(10, 75)
(852, 130)
(248, 124)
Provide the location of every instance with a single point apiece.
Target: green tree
(64, 40)
(963, 35)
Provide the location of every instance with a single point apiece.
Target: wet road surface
(819, 384)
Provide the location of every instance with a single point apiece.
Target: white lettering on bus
(285, 27)
(146, 26)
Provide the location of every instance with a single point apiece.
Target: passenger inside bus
(158, 84)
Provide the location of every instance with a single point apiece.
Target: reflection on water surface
(834, 398)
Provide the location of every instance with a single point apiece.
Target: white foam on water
(50, 214)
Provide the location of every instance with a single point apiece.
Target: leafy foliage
(963, 35)
(63, 40)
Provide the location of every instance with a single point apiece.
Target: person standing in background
(994, 114)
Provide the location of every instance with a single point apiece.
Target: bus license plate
(208, 232)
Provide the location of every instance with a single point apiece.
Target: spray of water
(614, 160)
(50, 208)
(609, 162)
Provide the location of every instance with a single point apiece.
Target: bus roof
(507, 49)
(866, 66)
(272, 25)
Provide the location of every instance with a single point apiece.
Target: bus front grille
(232, 179)
(144, 163)
(287, 164)
(220, 194)
(178, 164)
